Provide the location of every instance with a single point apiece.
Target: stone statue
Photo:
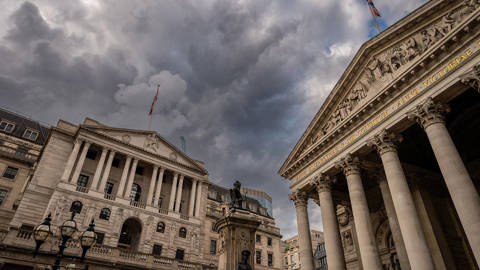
(243, 264)
(236, 196)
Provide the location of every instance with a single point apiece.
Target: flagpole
(374, 19)
(151, 109)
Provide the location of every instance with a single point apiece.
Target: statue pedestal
(237, 233)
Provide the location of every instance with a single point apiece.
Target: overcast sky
(240, 79)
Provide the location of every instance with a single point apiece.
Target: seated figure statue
(243, 264)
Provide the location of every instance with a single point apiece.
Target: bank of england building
(392, 156)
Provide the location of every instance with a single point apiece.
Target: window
(116, 163)
(182, 232)
(160, 227)
(179, 254)
(213, 227)
(258, 257)
(21, 151)
(82, 181)
(213, 246)
(160, 200)
(105, 214)
(136, 192)
(10, 172)
(140, 170)
(258, 238)
(7, 126)
(286, 260)
(92, 154)
(291, 259)
(100, 237)
(30, 134)
(76, 207)
(270, 259)
(157, 250)
(108, 188)
(269, 241)
(3, 194)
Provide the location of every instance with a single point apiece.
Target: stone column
(393, 222)
(179, 194)
(71, 160)
(363, 225)
(106, 173)
(192, 197)
(415, 242)
(300, 200)
(173, 192)
(98, 171)
(152, 185)
(123, 179)
(430, 115)
(198, 199)
(80, 162)
(333, 242)
(128, 187)
(159, 187)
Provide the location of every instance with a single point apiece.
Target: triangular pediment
(378, 63)
(148, 141)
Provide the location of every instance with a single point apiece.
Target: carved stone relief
(383, 67)
(347, 240)
(343, 215)
(152, 143)
(472, 78)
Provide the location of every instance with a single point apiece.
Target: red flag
(154, 100)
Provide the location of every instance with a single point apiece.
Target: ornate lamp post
(41, 233)
(88, 239)
(67, 230)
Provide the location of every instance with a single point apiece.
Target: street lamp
(67, 229)
(41, 233)
(88, 239)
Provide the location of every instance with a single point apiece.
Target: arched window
(105, 214)
(160, 227)
(76, 207)
(182, 233)
(136, 192)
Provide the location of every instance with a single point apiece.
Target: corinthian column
(173, 191)
(430, 115)
(410, 226)
(363, 225)
(333, 243)
(304, 238)
(99, 169)
(71, 160)
(80, 162)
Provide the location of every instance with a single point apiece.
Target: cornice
(390, 91)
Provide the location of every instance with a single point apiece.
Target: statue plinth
(237, 234)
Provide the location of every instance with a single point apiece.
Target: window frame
(135, 194)
(158, 248)
(92, 154)
(3, 191)
(100, 238)
(6, 125)
(72, 209)
(8, 176)
(269, 241)
(108, 184)
(182, 232)
(116, 161)
(82, 177)
(178, 252)
(269, 259)
(213, 246)
(105, 213)
(162, 230)
(32, 132)
(258, 257)
(258, 238)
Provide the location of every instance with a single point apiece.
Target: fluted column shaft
(333, 242)
(152, 185)
(305, 241)
(394, 226)
(99, 169)
(192, 197)
(198, 199)
(430, 115)
(415, 242)
(159, 187)
(128, 187)
(361, 214)
(80, 162)
(179, 194)
(71, 160)
(106, 172)
(123, 179)
(173, 192)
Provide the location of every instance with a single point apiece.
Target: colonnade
(411, 243)
(102, 173)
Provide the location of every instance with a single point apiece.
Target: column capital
(323, 183)
(472, 78)
(349, 164)
(299, 198)
(429, 112)
(385, 141)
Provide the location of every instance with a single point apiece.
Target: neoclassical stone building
(291, 250)
(392, 156)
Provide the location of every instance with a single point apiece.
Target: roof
(22, 123)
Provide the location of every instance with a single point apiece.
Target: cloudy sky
(240, 79)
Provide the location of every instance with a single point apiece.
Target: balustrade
(82, 189)
(109, 196)
(138, 204)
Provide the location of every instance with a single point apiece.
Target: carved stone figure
(472, 78)
(152, 142)
(427, 39)
(347, 239)
(343, 215)
(243, 264)
(411, 49)
(447, 23)
(376, 67)
(235, 195)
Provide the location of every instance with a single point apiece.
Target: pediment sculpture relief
(152, 143)
(472, 78)
(383, 67)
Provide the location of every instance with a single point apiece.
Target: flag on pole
(154, 100)
(373, 8)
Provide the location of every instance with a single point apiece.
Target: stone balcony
(13, 153)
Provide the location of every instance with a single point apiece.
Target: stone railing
(185, 217)
(109, 196)
(24, 234)
(163, 211)
(138, 204)
(82, 189)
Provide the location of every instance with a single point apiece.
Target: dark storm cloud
(239, 79)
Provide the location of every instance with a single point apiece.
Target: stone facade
(291, 250)
(390, 156)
